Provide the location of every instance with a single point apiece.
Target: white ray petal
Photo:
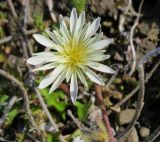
(45, 54)
(101, 67)
(94, 39)
(63, 29)
(54, 37)
(43, 40)
(68, 74)
(46, 67)
(98, 57)
(73, 20)
(36, 60)
(93, 28)
(82, 78)
(80, 24)
(83, 31)
(100, 44)
(58, 81)
(51, 77)
(73, 88)
(92, 76)
(58, 36)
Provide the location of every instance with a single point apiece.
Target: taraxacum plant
(75, 52)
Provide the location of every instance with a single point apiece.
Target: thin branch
(25, 96)
(124, 134)
(14, 14)
(8, 108)
(25, 45)
(10, 38)
(26, 11)
(76, 121)
(50, 7)
(129, 10)
(133, 92)
(43, 105)
(133, 65)
(104, 114)
(111, 79)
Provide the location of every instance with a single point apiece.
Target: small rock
(126, 116)
(144, 132)
(133, 137)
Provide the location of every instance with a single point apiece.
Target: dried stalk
(133, 65)
(104, 113)
(22, 31)
(76, 121)
(8, 108)
(25, 97)
(140, 103)
(123, 135)
(27, 53)
(133, 92)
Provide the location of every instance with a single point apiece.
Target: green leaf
(79, 5)
(3, 98)
(38, 21)
(82, 110)
(53, 137)
(56, 100)
(12, 114)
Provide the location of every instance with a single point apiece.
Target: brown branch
(15, 17)
(9, 106)
(76, 121)
(12, 38)
(27, 52)
(25, 97)
(133, 92)
(43, 105)
(104, 114)
(124, 134)
(64, 88)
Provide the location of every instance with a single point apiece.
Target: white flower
(75, 52)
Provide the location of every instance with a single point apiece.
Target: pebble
(133, 137)
(126, 116)
(144, 132)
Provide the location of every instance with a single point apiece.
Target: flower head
(75, 52)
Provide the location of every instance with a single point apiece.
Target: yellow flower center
(75, 53)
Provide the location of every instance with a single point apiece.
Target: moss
(38, 22)
(79, 5)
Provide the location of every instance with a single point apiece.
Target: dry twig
(76, 121)
(126, 132)
(133, 92)
(14, 14)
(129, 10)
(27, 53)
(104, 113)
(25, 96)
(133, 65)
(8, 108)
